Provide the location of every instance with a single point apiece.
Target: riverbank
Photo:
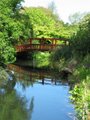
(81, 91)
(80, 94)
(6, 79)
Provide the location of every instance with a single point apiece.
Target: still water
(35, 95)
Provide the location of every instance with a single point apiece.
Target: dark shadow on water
(38, 75)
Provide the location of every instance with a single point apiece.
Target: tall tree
(44, 22)
(14, 27)
(52, 6)
(81, 41)
(76, 17)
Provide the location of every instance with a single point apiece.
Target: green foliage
(80, 94)
(47, 24)
(14, 28)
(81, 41)
(60, 53)
(41, 59)
(81, 98)
(41, 20)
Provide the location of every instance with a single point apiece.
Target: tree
(81, 41)
(44, 22)
(14, 28)
(76, 17)
(52, 7)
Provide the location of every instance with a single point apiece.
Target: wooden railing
(42, 45)
(33, 47)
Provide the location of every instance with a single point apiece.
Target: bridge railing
(42, 44)
(34, 47)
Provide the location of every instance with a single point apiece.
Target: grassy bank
(81, 92)
(80, 80)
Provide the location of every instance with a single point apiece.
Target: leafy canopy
(14, 28)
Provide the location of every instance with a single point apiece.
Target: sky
(64, 8)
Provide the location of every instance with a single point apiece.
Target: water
(35, 95)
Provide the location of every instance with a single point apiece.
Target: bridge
(41, 44)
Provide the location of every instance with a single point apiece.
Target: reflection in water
(31, 109)
(29, 76)
(35, 95)
(12, 106)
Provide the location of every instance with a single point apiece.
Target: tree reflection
(31, 108)
(12, 106)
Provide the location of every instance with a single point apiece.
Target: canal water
(35, 95)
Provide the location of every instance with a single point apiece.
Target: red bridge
(41, 44)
